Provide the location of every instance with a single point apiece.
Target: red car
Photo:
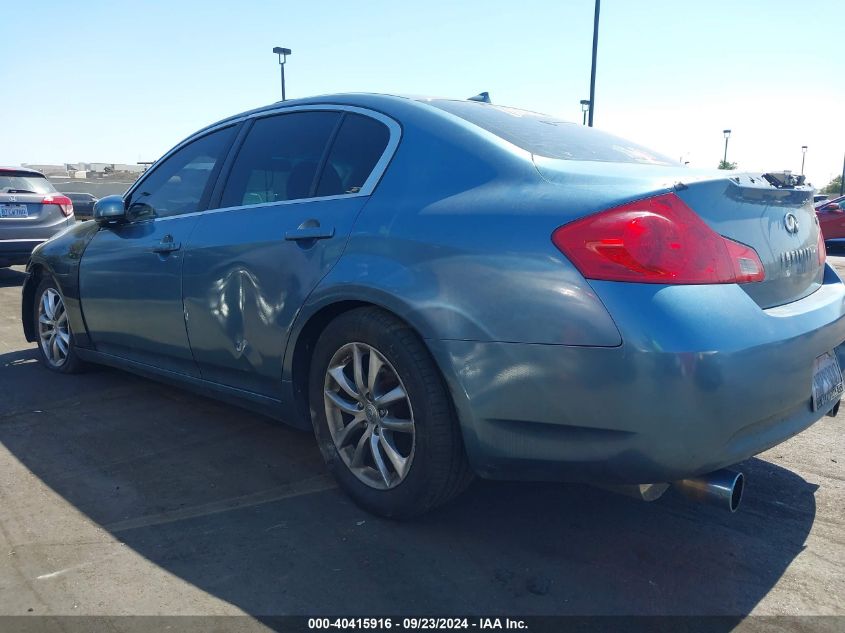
(831, 214)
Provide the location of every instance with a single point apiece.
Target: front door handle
(305, 232)
(167, 245)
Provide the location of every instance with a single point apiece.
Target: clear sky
(123, 81)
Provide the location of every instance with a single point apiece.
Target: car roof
(25, 170)
(390, 104)
(362, 99)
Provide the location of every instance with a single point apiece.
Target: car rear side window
(179, 184)
(357, 148)
(544, 135)
(279, 159)
(24, 182)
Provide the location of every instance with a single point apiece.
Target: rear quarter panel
(456, 240)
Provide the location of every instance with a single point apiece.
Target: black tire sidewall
(412, 495)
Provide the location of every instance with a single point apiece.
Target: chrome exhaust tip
(722, 488)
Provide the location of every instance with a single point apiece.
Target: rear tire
(383, 418)
(55, 339)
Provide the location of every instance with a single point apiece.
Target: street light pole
(593, 70)
(727, 134)
(283, 57)
(803, 156)
(585, 106)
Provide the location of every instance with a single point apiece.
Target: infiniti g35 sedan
(444, 289)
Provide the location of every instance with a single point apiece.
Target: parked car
(83, 204)
(827, 200)
(31, 211)
(446, 288)
(820, 197)
(831, 215)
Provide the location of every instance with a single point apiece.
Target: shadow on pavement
(241, 507)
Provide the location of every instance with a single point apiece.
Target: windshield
(24, 182)
(544, 135)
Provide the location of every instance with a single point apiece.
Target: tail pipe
(722, 488)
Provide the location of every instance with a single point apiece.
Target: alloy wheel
(53, 330)
(369, 415)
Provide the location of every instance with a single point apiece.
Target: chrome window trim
(342, 196)
(393, 126)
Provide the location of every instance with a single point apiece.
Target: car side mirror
(137, 211)
(109, 209)
(833, 206)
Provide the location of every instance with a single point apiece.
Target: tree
(723, 164)
(834, 186)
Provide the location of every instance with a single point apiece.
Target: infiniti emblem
(372, 414)
(791, 223)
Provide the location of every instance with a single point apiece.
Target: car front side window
(180, 183)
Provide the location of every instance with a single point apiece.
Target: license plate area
(827, 381)
(14, 211)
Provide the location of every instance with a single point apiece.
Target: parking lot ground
(119, 495)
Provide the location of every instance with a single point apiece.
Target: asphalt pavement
(123, 496)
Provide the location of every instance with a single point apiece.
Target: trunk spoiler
(784, 179)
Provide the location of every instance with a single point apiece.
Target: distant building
(49, 170)
(106, 170)
(122, 168)
(121, 171)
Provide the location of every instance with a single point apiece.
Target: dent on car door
(130, 276)
(287, 207)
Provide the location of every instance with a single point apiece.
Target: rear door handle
(167, 245)
(310, 233)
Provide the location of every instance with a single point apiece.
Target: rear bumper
(18, 242)
(703, 379)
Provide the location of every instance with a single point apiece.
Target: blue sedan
(443, 289)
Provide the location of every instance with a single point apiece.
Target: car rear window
(547, 136)
(24, 182)
(356, 150)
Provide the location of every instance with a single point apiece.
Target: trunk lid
(777, 222)
(743, 207)
(23, 209)
(21, 196)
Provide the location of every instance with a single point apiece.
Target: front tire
(55, 339)
(383, 417)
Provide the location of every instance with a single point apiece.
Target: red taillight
(657, 240)
(65, 203)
